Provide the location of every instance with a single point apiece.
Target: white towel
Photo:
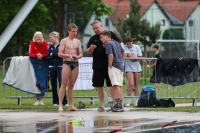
(20, 75)
(84, 80)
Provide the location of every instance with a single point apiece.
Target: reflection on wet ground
(54, 122)
(99, 124)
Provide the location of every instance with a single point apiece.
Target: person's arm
(156, 56)
(31, 51)
(61, 50)
(123, 56)
(139, 52)
(110, 60)
(109, 52)
(90, 46)
(80, 55)
(48, 54)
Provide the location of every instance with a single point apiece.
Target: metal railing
(186, 91)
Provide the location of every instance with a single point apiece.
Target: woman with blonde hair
(55, 67)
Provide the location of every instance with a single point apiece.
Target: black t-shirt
(100, 59)
(157, 55)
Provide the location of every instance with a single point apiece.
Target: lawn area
(185, 91)
(191, 109)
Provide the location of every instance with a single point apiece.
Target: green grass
(176, 109)
(184, 91)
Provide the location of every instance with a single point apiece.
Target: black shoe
(118, 109)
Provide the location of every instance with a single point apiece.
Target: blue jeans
(55, 73)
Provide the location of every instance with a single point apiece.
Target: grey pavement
(46, 121)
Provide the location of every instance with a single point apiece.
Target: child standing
(155, 49)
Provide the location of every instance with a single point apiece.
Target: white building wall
(154, 15)
(193, 32)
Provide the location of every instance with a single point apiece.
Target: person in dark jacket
(55, 67)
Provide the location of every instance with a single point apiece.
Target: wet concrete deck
(54, 122)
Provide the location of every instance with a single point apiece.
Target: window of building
(107, 22)
(191, 22)
(162, 22)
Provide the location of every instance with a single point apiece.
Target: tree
(172, 48)
(82, 8)
(138, 28)
(35, 21)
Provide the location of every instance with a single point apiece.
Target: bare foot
(60, 109)
(157, 86)
(72, 108)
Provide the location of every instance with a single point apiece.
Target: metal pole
(16, 22)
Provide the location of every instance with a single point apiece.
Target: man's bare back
(71, 49)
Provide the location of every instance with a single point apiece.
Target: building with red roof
(183, 16)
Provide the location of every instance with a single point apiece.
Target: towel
(84, 80)
(41, 73)
(20, 75)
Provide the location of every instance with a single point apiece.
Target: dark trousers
(55, 73)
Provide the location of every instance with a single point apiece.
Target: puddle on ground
(98, 125)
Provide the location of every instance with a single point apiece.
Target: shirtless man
(70, 50)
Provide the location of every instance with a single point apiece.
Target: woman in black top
(55, 67)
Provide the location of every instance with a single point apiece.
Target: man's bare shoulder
(76, 40)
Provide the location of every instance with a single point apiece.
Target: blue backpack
(147, 97)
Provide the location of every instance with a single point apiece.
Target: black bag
(165, 103)
(81, 105)
(147, 97)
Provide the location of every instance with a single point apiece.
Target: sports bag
(147, 97)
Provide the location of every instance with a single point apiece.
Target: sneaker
(136, 102)
(36, 103)
(66, 105)
(55, 104)
(101, 109)
(128, 102)
(118, 106)
(41, 103)
(117, 109)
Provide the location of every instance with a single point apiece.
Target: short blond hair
(71, 25)
(55, 34)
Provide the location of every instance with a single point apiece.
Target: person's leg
(109, 85)
(98, 81)
(136, 90)
(53, 80)
(66, 71)
(139, 75)
(72, 80)
(130, 78)
(116, 77)
(59, 73)
(116, 90)
(130, 81)
(101, 96)
(109, 91)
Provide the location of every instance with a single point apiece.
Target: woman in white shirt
(132, 68)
